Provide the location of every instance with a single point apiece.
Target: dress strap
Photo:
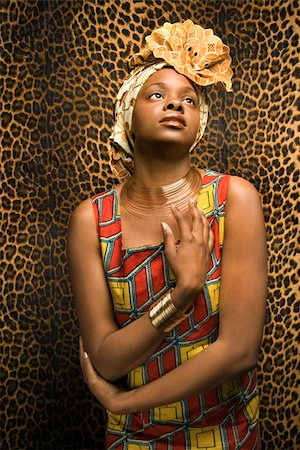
(105, 207)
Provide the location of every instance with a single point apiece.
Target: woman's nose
(176, 105)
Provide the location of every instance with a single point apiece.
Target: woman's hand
(189, 260)
(108, 394)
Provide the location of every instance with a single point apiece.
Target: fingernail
(192, 201)
(85, 355)
(164, 225)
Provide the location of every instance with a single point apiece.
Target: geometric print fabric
(221, 418)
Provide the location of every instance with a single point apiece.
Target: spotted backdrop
(63, 62)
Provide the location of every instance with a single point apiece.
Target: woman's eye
(156, 95)
(190, 100)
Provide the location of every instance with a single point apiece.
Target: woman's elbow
(106, 371)
(246, 360)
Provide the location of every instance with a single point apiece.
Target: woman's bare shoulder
(241, 191)
(244, 213)
(83, 213)
(82, 230)
(83, 222)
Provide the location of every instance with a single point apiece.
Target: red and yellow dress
(224, 417)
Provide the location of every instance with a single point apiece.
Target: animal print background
(63, 62)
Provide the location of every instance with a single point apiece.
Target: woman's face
(166, 111)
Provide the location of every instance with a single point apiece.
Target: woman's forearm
(125, 349)
(213, 366)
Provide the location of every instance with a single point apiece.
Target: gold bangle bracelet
(164, 315)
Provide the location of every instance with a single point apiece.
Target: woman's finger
(205, 228)
(82, 356)
(201, 226)
(85, 363)
(182, 222)
(197, 219)
(170, 247)
(211, 240)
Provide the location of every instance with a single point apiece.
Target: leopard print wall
(63, 62)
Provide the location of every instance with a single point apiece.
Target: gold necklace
(154, 203)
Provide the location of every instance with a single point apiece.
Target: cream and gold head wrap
(192, 51)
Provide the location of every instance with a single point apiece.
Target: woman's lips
(173, 121)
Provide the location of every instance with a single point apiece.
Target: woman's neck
(143, 199)
(159, 173)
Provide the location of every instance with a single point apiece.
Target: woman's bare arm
(242, 309)
(113, 351)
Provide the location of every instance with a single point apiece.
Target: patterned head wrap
(192, 51)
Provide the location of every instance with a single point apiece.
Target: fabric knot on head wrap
(192, 51)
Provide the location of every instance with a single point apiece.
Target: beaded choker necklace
(154, 203)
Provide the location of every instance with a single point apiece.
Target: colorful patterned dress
(220, 418)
